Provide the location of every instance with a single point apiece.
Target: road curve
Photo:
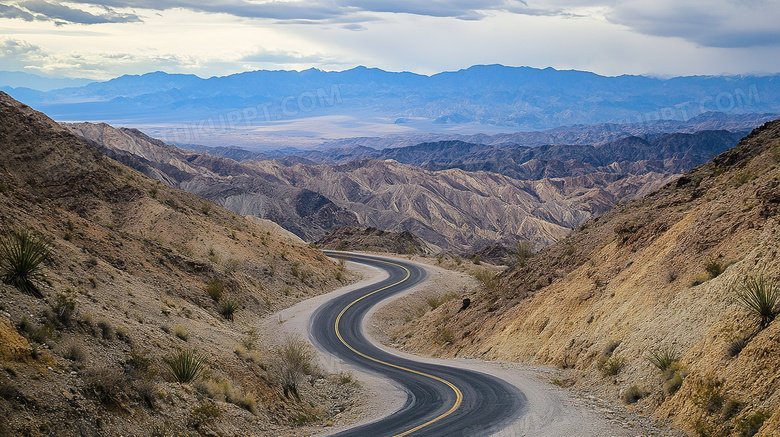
(441, 401)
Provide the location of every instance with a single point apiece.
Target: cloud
(355, 27)
(57, 11)
(283, 57)
(10, 11)
(709, 23)
(333, 10)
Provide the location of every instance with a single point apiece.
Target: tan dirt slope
(635, 281)
(126, 286)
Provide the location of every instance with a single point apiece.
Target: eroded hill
(654, 275)
(138, 271)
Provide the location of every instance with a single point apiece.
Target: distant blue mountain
(19, 79)
(519, 98)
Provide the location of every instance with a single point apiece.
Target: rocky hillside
(239, 188)
(452, 209)
(653, 276)
(376, 240)
(139, 270)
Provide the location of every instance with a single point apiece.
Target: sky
(105, 39)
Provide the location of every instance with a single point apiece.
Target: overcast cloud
(102, 39)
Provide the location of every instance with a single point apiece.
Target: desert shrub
(291, 361)
(750, 424)
(232, 265)
(487, 278)
(525, 250)
(663, 358)
(736, 344)
(709, 395)
(140, 361)
(227, 307)
(436, 301)
(458, 260)
(22, 254)
(345, 378)
(477, 260)
(673, 384)
(759, 296)
(215, 287)
(107, 384)
(251, 337)
(713, 267)
(106, 329)
(612, 365)
(64, 308)
(444, 335)
(181, 332)
(75, 352)
(185, 365)
(632, 394)
(205, 412)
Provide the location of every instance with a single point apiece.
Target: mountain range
(550, 190)
(240, 108)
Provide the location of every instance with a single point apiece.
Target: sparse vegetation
(525, 251)
(759, 296)
(663, 358)
(436, 301)
(228, 307)
(713, 267)
(736, 344)
(632, 394)
(610, 365)
(292, 360)
(181, 332)
(22, 254)
(107, 384)
(750, 424)
(487, 278)
(215, 287)
(186, 365)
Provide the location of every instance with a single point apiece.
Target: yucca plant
(759, 296)
(186, 365)
(663, 358)
(22, 254)
(227, 307)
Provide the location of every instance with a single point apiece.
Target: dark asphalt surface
(486, 404)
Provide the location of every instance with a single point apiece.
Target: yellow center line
(458, 394)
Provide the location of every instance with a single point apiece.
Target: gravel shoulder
(552, 411)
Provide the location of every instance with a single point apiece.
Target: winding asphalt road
(441, 401)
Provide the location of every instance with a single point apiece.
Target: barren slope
(131, 258)
(634, 281)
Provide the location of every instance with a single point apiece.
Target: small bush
(215, 287)
(345, 378)
(759, 296)
(673, 384)
(107, 384)
(663, 358)
(22, 254)
(612, 365)
(709, 395)
(477, 260)
(487, 278)
(181, 332)
(632, 394)
(713, 267)
(736, 344)
(292, 360)
(75, 352)
(457, 260)
(106, 330)
(444, 335)
(64, 308)
(206, 412)
(700, 279)
(750, 424)
(186, 365)
(228, 307)
(436, 301)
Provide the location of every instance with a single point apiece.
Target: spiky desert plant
(227, 307)
(759, 296)
(186, 365)
(663, 358)
(22, 254)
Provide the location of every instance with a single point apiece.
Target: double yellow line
(458, 394)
